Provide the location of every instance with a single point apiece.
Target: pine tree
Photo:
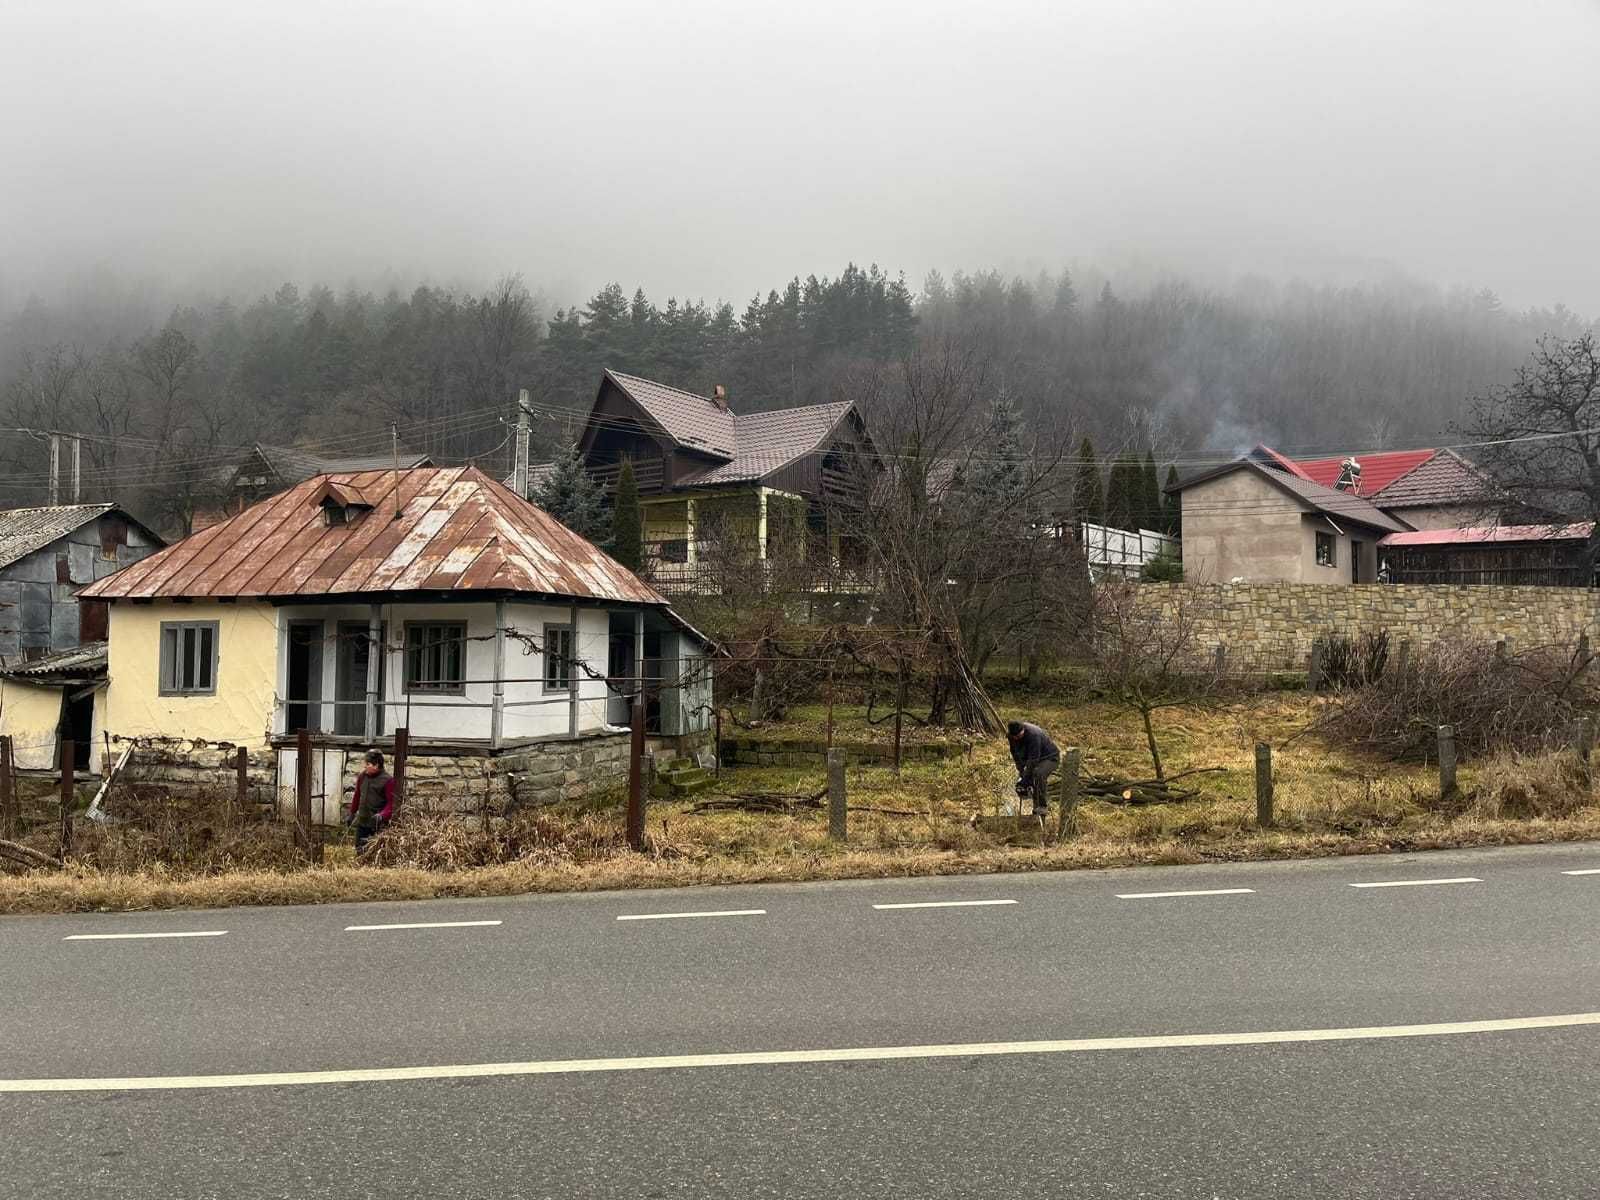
(627, 522)
(1088, 494)
(570, 494)
(1149, 493)
(999, 473)
(1172, 513)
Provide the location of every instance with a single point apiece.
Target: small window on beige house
(1326, 550)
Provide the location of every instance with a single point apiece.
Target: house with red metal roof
(707, 474)
(432, 599)
(1399, 516)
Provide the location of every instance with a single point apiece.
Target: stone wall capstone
(1274, 624)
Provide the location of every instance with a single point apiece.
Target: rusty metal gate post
(241, 783)
(402, 751)
(10, 816)
(69, 756)
(634, 824)
(302, 793)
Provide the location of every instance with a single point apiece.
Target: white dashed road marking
(1586, 871)
(1166, 895)
(947, 904)
(419, 925)
(673, 916)
(119, 937)
(1415, 882)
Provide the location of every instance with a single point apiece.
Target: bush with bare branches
(1493, 702)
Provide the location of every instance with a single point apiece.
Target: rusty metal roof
(457, 530)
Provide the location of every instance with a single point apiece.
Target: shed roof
(766, 441)
(1491, 534)
(694, 422)
(24, 530)
(80, 662)
(457, 530)
(291, 464)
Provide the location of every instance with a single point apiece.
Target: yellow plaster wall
(247, 673)
(31, 716)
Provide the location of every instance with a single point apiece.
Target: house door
(350, 678)
(77, 723)
(1355, 562)
(303, 709)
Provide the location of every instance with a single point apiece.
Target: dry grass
(1328, 803)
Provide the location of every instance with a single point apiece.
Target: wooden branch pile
(1140, 791)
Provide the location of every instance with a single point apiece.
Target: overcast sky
(711, 149)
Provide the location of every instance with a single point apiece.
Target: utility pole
(519, 476)
(77, 470)
(55, 469)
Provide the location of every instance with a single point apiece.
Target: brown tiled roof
(457, 531)
(1329, 501)
(695, 422)
(1444, 478)
(768, 440)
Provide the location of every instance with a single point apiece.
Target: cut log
(27, 856)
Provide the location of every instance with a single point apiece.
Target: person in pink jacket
(371, 800)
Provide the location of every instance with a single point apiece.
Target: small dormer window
(341, 504)
(334, 514)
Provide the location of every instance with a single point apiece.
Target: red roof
(1490, 533)
(456, 530)
(1378, 471)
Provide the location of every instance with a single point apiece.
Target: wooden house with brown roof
(765, 480)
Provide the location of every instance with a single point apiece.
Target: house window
(1325, 550)
(675, 550)
(188, 658)
(558, 658)
(436, 656)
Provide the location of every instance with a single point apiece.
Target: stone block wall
(1274, 624)
(191, 769)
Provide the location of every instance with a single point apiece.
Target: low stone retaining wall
(774, 752)
(1274, 624)
(190, 770)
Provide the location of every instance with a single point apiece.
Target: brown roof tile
(769, 440)
(1444, 478)
(694, 421)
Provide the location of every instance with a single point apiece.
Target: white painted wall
(531, 711)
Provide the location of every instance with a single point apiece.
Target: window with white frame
(188, 658)
(558, 653)
(436, 656)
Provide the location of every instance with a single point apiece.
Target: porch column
(497, 712)
(689, 532)
(574, 677)
(761, 523)
(375, 653)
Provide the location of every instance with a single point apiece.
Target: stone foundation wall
(190, 770)
(1274, 624)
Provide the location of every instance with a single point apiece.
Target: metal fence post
(241, 783)
(1314, 666)
(402, 751)
(69, 757)
(837, 812)
(1583, 741)
(1263, 785)
(634, 825)
(1447, 761)
(1071, 766)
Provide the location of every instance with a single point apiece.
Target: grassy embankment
(1328, 802)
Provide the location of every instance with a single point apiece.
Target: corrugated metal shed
(24, 530)
(457, 530)
(81, 662)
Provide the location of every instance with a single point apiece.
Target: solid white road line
(674, 916)
(1165, 895)
(1416, 882)
(946, 904)
(419, 925)
(572, 1066)
(1586, 871)
(119, 937)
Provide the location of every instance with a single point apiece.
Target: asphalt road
(1047, 959)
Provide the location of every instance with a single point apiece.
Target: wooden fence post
(241, 781)
(1447, 761)
(634, 823)
(1220, 662)
(899, 709)
(302, 793)
(1583, 742)
(69, 758)
(1502, 651)
(1263, 785)
(837, 812)
(1314, 666)
(1403, 657)
(10, 816)
(1071, 767)
(1582, 656)
(402, 751)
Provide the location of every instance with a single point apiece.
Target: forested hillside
(162, 399)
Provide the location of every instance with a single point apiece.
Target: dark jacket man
(1036, 757)
(372, 799)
